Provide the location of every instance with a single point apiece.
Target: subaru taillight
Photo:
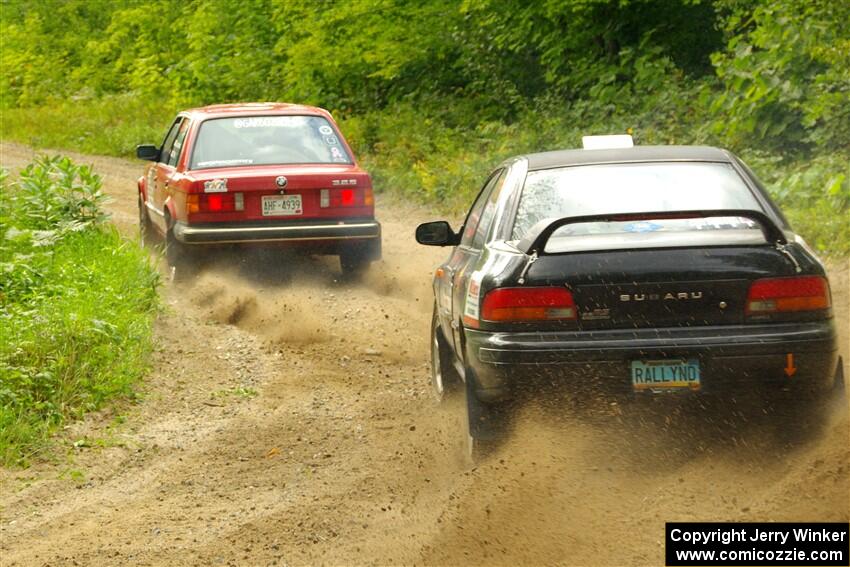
(786, 295)
(528, 304)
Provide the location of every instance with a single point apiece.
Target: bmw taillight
(347, 197)
(214, 202)
(788, 295)
(508, 304)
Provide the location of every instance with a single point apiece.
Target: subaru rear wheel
(839, 386)
(444, 376)
(482, 428)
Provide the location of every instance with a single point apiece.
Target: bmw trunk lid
(289, 192)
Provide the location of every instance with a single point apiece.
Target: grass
(110, 126)
(77, 303)
(438, 156)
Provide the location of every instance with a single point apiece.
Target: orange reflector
(368, 197)
(192, 205)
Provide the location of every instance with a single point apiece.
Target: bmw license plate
(665, 375)
(282, 205)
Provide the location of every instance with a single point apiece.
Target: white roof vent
(609, 142)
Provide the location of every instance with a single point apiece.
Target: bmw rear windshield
(624, 188)
(267, 140)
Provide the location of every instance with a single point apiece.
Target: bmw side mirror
(436, 233)
(148, 152)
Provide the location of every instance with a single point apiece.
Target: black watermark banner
(757, 543)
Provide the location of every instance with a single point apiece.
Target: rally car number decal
(473, 296)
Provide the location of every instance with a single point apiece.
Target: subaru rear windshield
(267, 140)
(636, 188)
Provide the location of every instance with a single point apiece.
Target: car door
(464, 259)
(164, 169)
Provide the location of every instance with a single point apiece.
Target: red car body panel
(305, 180)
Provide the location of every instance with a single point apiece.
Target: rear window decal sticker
(267, 121)
(642, 226)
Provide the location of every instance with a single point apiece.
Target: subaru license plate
(665, 375)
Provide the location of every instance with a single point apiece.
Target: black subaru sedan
(639, 271)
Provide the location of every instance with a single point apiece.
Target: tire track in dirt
(287, 420)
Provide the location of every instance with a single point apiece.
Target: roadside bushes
(425, 157)
(814, 194)
(435, 93)
(76, 304)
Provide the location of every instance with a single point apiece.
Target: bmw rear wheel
(353, 263)
(444, 377)
(181, 263)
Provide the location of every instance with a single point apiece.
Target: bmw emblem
(281, 182)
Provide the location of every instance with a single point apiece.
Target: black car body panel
(679, 300)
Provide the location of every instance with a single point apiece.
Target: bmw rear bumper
(731, 357)
(335, 230)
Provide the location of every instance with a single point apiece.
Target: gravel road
(287, 420)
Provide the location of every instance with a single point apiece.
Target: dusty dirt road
(287, 421)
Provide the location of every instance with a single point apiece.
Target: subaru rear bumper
(731, 357)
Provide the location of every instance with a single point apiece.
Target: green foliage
(347, 55)
(815, 195)
(42, 42)
(76, 304)
(786, 75)
(434, 93)
(58, 196)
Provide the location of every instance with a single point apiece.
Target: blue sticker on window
(642, 226)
